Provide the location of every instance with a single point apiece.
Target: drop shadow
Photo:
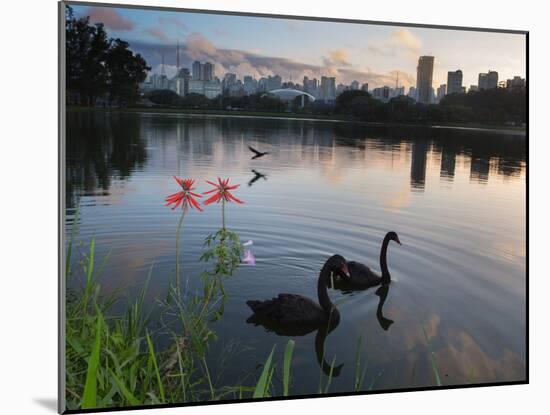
(48, 403)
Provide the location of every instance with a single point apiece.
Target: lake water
(456, 198)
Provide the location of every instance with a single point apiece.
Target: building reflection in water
(479, 168)
(103, 147)
(418, 164)
(448, 163)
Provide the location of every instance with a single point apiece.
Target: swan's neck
(383, 262)
(322, 283)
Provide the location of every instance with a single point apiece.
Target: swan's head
(392, 236)
(339, 265)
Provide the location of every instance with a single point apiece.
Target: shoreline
(510, 130)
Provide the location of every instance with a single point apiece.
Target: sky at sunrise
(260, 46)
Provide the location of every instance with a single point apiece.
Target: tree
(125, 72)
(164, 97)
(96, 65)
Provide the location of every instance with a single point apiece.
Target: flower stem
(223, 214)
(178, 234)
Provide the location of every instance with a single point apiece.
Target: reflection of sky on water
(456, 198)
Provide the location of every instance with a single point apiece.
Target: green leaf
(155, 365)
(125, 392)
(89, 397)
(286, 365)
(262, 386)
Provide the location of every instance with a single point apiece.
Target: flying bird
(257, 153)
(257, 176)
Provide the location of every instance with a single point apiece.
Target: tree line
(497, 106)
(98, 66)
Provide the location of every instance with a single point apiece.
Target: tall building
(182, 81)
(207, 71)
(229, 79)
(196, 71)
(383, 93)
(274, 82)
(250, 85)
(262, 84)
(210, 89)
(515, 84)
(354, 85)
(454, 82)
(365, 87)
(424, 76)
(487, 80)
(311, 86)
(328, 88)
(441, 91)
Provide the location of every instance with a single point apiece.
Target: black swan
(257, 153)
(361, 276)
(292, 313)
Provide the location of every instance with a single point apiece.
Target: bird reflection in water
(257, 176)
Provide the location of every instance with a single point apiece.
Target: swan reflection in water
(295, 315)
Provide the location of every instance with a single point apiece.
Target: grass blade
(125, 392)
(89, 397)
(286, 366)
(70, 245)
(90, 264)
(155, 365)
(262, 385)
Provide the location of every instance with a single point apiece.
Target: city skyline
(296, 48)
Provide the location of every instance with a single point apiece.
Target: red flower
(184, 197)
(223, 192)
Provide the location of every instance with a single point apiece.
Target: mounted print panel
(261, 207)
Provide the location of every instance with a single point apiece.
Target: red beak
(398, 241)
(345, 270)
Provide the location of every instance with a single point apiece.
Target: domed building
(289, 95)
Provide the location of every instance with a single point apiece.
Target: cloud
(399, 42)
(157, 33)
(197, 47)
(110, 18)
(173, 21)
(405, 39)
(337, 57)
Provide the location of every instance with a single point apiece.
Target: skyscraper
(207, 71)
(274, 82)
(487, 80)
(454, 82)
(311, 86)
(328, 88)
(424, 75)
(182, 81)
(196, 71)
(250, 85)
